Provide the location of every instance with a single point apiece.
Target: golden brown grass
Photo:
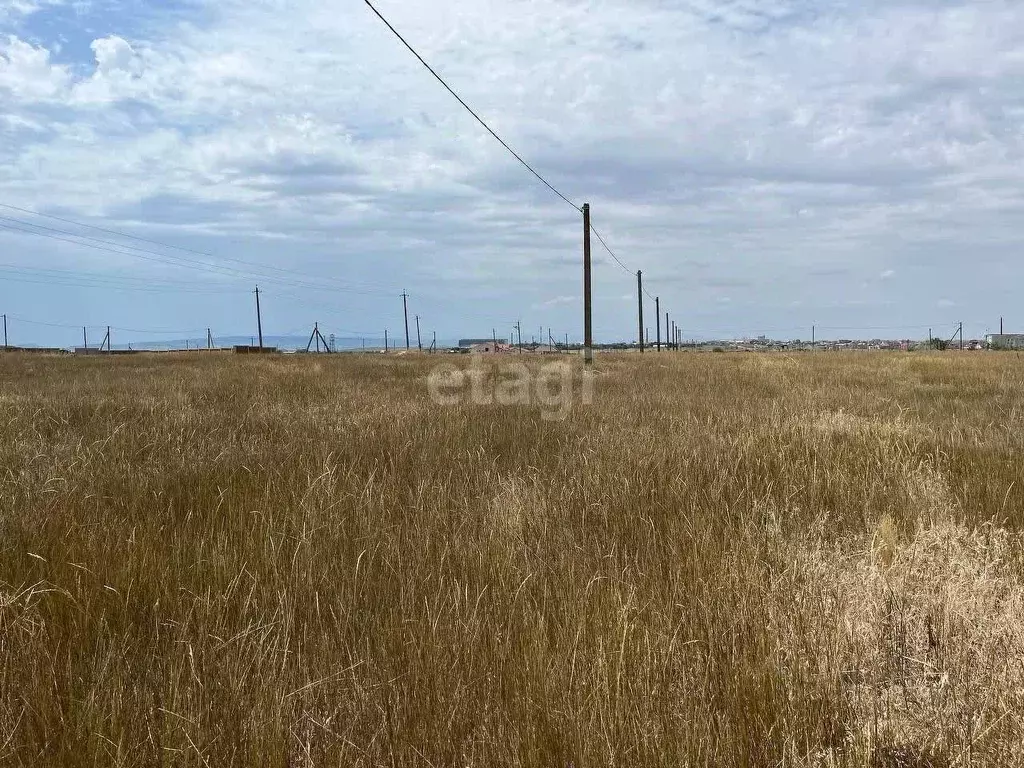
(726, 561)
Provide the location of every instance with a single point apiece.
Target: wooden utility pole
(668, 339)
(961, 337)
(588, 336)
(814, 332)
(519, 330)
(209, 339)
(259, 317)
(85, 338)
(640, 305)
(318, 337)
(108, 338)
(5, 333)
(385, 339)
(551, 342)
(419, 342)
(657, 322)
(5, 328)
(405, 311)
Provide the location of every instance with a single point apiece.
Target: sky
(770, 165)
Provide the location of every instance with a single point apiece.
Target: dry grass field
(726, 560)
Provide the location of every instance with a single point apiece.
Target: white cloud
(561, 300)
(27, 75)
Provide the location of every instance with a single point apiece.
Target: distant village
(1009, 342)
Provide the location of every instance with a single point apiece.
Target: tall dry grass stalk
(726, 561)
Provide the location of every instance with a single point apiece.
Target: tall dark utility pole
(588, 336)
(259, 320)
(85, 338)
(419, 342)
(657, 321)
(5, 333)
(519, 330)
(209, 339)
(668, 339)
(961, 337)
(640, 304)
(405, 311)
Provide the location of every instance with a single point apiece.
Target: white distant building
(1005, 341)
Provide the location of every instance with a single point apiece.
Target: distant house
(487, 348)
(1005, 341)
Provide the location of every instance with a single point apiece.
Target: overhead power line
(469, 109)
(206, 254)
(39, 230)
(503, 143)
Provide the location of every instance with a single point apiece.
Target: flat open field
(725, 560)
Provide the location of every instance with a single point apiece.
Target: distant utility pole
(961, 337)
(494, 336)
(259, 317)
(519, 329)
(85, 338)
(567, 342)
(5, 328)
(209, 339)
(318, 337)
(668, 338)
(419, 342)
(108, 338)
(433, 346)
(657, 322)
(385, 339)
(588, 336)
(814, 330)
(405, 311)
(640, 304)
(5, 333)
(551, 342)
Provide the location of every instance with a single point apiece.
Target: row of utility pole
(673, 335)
